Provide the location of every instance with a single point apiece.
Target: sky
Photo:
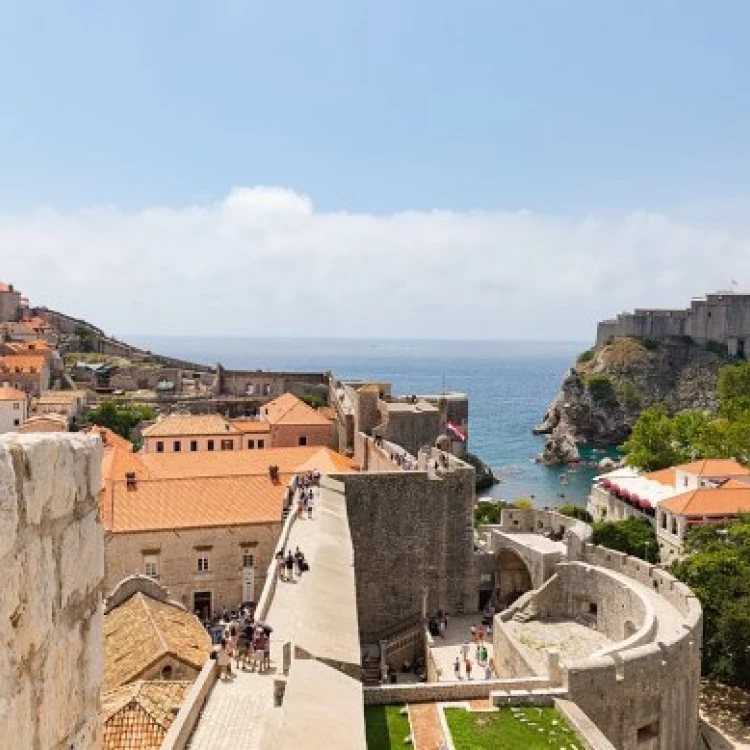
(441, 169)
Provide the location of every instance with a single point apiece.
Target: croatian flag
(456, 431)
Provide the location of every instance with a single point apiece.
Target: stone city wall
(412, 532)
(370, 456)
(432, 692)
(52, 556)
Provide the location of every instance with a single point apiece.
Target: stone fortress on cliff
(722, 317)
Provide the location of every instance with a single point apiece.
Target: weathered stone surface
(52, 557)
(8, 504)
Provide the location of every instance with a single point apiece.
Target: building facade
(13, 408)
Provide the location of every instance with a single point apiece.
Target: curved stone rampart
(643, 690)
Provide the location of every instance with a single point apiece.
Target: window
(261, 444)
(648, 733)
(16, 405)
(267, 389)
(664, 520)
(160, 446)
(674, 525)
(248, 560)
(151, 564)
(16, 422)
(250, 389)
(210, 445)
(177, 446)
(251, 443)
(166, 672)
(203, 562)
(227, 445)
(302, 440)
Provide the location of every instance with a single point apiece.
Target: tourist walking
(223, 660)
(289, 564)
(310, 502)
(467, 666)
(457, 668)
(280, 563)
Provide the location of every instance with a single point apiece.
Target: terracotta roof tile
(142, 630)
(251, 426)
(663, 476)
(193, 502)
(715, 467)
(8, 393)
(719, 501)
(288, 409)
(190, 424)
(138, 716)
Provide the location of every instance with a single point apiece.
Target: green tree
(717, 568)
(734, 382)
(120, 418)
(634, 536)
(601, 389)
(651, 444)
(522, 503)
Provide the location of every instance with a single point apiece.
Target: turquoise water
(510, 384)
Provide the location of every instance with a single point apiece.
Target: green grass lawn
(386, 728)
(506, 729)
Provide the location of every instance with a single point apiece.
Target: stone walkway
(238, 712)
(427, 734)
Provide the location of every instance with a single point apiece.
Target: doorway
(202, 604)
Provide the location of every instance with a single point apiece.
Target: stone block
(82, 558)
(8, 504)
(18, 717)
(63, 706)
(39, 485)
(39, 586)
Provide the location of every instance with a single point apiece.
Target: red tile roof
(715, 467)
(288, 409)
(719, 501)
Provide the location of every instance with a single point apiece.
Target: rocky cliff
(603, 394)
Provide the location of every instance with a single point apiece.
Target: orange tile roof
(190, 424)
(720, 501)
(247, 426)
(8, 393)
(193, 502)
(663, 476)
(109, 437)
(138, 715)
(328, 412)
(715, 467)
(244, 462)
(141, 631)
(288, 409)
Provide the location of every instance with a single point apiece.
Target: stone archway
(512, 578)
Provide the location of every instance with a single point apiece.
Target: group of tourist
(247, 643)
(463, 660)
(290, 564)
(304, 487)
(403, 460)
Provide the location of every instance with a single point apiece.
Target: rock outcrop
(603, 394)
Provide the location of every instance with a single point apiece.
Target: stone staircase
(371, 672)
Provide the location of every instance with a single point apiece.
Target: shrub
(634, 536)
(600, 388)
(586, 356)
(631, 395)
(575, 511)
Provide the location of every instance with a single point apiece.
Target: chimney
(131, 481)
(103, 436)
(10, 288)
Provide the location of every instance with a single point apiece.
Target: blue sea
(510, 384)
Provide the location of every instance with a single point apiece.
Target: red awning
(606, 483)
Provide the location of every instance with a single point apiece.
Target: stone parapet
(52, 556)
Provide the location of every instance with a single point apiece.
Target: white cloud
(264, 262)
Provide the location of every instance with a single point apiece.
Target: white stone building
(13, 408)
